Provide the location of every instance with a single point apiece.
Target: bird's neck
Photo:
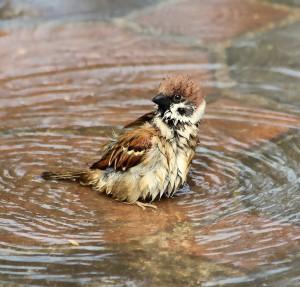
(170, 131)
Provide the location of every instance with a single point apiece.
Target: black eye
(177, 98)
(181, 111)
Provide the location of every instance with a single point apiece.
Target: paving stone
(86, 49)
(245, 236)
(275, 178)
(101, 67)
(160, 250)
(229, 132)
(208, 21)
(253, 149)
(134, 64)
(286, 2)
(231, 240)
(267, 66)
(233, 124)
(89, 9)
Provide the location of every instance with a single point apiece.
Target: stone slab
(102, 70)
(208, 21)
(286, 2)
(89, 9)
(267, 66)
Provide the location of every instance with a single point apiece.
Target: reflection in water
(235, 222)
(223, 214)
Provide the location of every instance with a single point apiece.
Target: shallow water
(65, 85)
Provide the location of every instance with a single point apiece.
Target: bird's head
(180, 100)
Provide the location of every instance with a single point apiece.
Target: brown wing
(128, 150)
(141, 120)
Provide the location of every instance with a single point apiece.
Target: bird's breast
(176, 158)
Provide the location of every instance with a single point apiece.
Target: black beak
(162, 101)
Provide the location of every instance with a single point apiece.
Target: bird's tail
(67, 175)
(84, 177)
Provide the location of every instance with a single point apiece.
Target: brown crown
(183, 85)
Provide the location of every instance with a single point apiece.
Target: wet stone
(267, 66)
(185, 230)
(229, 129)
(3, 3)
(208, 21)
(171, 249)
(286, 2)
(97, 80)
(275, 179)
(236, 126)
(89, 9)
(263, 147)
(66, 105)
(247, 241)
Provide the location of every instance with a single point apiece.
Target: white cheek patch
(199, 113)
(174, 115)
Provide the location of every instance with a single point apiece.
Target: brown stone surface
(43, 51)
(68, 75)
(233, 240)
(247, 241)
(244, 241)
(94, 83)
(233, 125)
(209, 20)
(231, 128)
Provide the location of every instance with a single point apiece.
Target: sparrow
(151, 157)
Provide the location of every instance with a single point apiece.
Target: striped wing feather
(128, 151)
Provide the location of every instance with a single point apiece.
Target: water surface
(66, 85)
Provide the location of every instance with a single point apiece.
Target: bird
(152, 155)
